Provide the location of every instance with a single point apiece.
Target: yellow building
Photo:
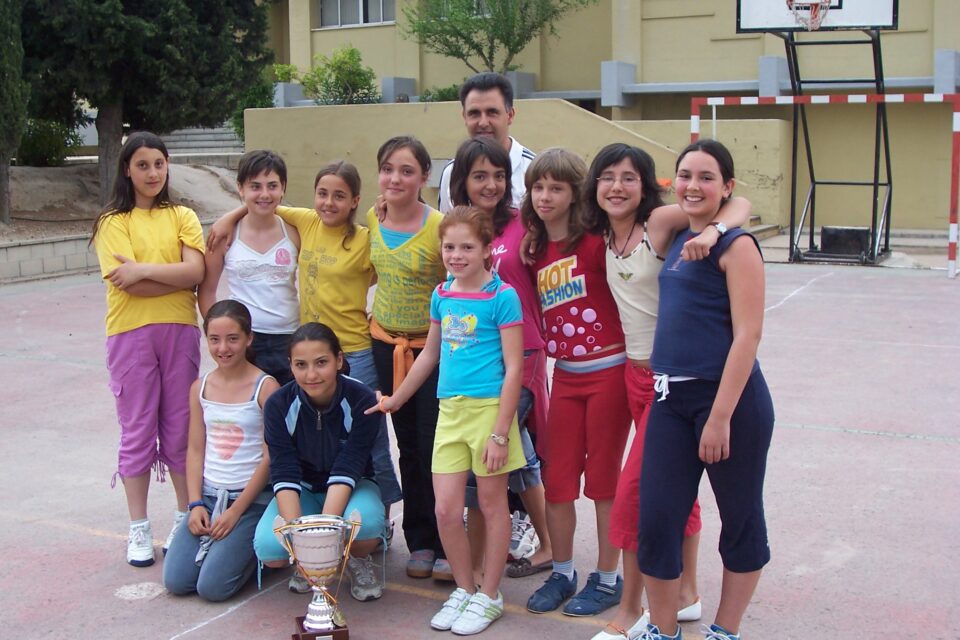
(637, 63)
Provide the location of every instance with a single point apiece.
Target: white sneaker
(297, 583)
(691, 613)
(633, 633)
(523, 537)
(140, 545)
(479, 614)
(365, 582)
(451, 610)
(178, 517)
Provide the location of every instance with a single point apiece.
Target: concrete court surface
(862, 363)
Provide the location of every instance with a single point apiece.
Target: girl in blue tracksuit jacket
(319, 441)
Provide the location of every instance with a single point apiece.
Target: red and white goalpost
(852, 98)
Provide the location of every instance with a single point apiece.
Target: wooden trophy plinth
(340, 633)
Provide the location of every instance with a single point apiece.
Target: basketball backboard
(777, 15)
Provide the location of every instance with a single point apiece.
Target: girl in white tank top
(227, 464)
(260, 263)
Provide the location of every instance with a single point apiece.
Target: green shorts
(463, 430)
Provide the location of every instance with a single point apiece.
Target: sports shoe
(523, 537)
(653, 633)
(594, 598)
(620, 633)
(178, 517)
(450, 610)
(442, 571)
(420, 563)
(691, 613)
(365, 581)
(140, 545)
(716, 632)
(297, 583)
(479, 613)
(554, 591)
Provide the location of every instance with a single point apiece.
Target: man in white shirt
(487, 100)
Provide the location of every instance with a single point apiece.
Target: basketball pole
(858, 98)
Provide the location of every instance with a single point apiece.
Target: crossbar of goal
(696, 104)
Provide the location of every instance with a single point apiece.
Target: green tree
(13, 96)
(493, 31)
(157, 65)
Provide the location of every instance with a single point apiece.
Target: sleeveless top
(695, 328)
(265, 282)
(234, 440)
(633, 283)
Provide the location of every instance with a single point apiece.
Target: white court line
(868, 432)
(798, 290)
(228, 611)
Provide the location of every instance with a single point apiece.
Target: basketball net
(809, 15)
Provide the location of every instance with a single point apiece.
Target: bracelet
(380, 404)
(196, 503)
(500, 440)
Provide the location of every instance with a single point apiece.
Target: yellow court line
(432, 594)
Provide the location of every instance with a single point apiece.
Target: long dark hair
(467, 155)
(238, 312)
(316, 331)
(561, 165)
(123, 198)
(349, 174)
(651, 195)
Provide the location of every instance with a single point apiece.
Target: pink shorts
(625, 513)
(586, 432)
(151, 370)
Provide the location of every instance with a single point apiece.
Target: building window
(345, 13)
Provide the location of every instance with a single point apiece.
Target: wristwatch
(721, 228)
(501, 440)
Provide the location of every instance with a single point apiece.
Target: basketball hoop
(810, 15)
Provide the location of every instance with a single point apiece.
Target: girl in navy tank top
(713, 412)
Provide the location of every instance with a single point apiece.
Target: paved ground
(862, 363)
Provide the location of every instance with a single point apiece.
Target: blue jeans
(365, 499)
(363, 369)
(272, 355)
(228, 565)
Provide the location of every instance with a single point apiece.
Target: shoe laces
(363, 570)
(138, 536)
(519, 528)
(710, 633)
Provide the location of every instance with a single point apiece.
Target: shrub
(285, 73)
(441, 94)
(45, 143)
(341, 79)
(257, 96)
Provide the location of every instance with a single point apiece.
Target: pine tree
(13, 96)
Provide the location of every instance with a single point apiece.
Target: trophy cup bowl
(319, 545)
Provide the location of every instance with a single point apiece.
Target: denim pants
(228, 565)
(363, 369)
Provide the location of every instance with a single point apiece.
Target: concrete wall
(307, 137)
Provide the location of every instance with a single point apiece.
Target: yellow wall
(308, 137)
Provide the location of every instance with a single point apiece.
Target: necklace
(613, 243)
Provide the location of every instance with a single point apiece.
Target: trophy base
(340, 633)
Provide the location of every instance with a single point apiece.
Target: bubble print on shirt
(577, 330)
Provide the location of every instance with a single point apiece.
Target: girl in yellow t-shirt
(151, 256)
(405, 250)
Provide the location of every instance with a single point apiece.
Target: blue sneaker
(716, 632)
(553, 592)
(595, 597)
(653, 633)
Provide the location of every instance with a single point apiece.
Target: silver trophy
(319, 545)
